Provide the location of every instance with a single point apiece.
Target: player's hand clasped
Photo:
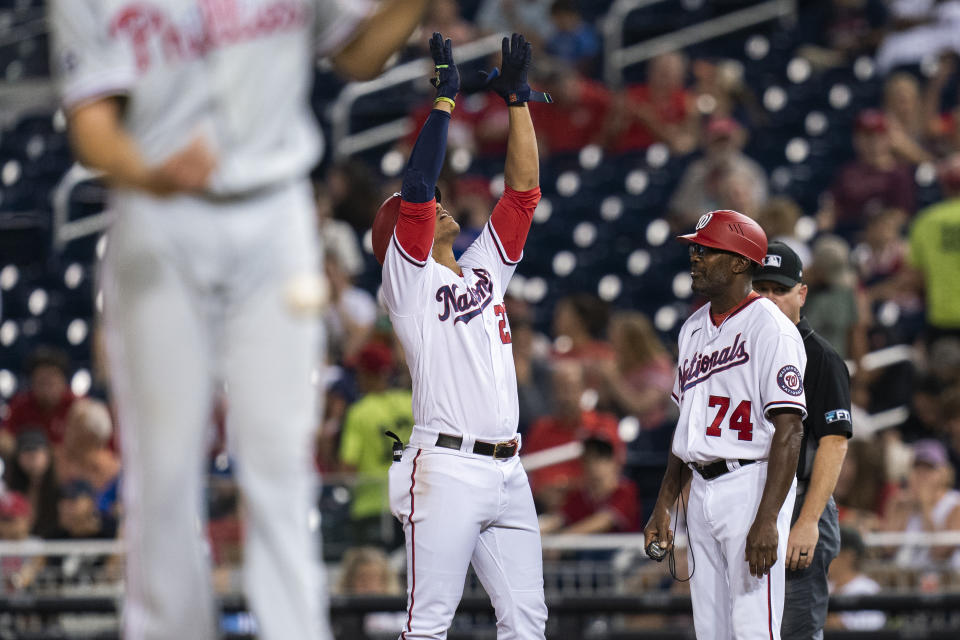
(761, 551)
(446, 78)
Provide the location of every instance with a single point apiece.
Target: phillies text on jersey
(237, 71)
(729, 378)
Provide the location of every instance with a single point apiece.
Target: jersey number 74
(739, 419)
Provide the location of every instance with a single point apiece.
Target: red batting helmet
(729, 231)
(384, 224)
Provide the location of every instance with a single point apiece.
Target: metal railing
(618, 57)
(345, 143)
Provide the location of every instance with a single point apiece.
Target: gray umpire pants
(805, 605)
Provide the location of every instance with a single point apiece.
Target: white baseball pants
(194, 292)
(728, 602)
(459, 508)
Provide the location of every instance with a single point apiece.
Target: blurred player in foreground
(198, 113)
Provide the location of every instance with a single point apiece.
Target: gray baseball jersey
(195, 290)
(239, 71)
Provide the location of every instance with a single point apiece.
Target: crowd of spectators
(594, 381)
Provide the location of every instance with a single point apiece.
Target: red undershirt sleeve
(414, 230)
(511, 220)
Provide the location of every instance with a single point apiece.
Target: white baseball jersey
(458, 508)
(730, 376)
(239, 71)
(456, 337)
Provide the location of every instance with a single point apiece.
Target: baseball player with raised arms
(459, 489)
(740, 391)
(198, 113)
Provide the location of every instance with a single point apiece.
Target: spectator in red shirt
(33, 473)
(45, 403)
(577, 116)
(662, 110)
(579, 322)
(640, 380)
(607, 501)
(874, 181)
(569, 423)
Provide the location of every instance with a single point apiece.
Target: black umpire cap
(781, 265)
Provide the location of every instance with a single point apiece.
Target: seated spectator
(929, 503)
(701, 188)
(530, 359)
(16, 515)
(917, 30)
(778, 219)
(906, 118)
(926, 417)
(942, 130)
(579, 322)
(32, 473)
(444, 17)
(721, 91)
(846, 578)
(950, 410)
(935, 256)
(606, 502)
(354, 193)
(881, 263)
(44, 403)
(835, 308)
(662, 110)
(842, 30)
(875, 180)
(336, 234)
(366, 571)
(470, 204)
(574, 42)
(738, 192)
(530, 17)
(86, 454)
(639, 380)
(569, 423)
(78, 515)
(883, 251)
(366, 451)
(224, 522)
(863, 487)
(578, 115)
(350, 314)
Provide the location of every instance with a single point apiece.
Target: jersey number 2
(501, 311)
(739, 421)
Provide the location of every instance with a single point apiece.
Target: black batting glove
(446, 77)
(510, 80)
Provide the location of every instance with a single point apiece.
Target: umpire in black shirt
(815, 531)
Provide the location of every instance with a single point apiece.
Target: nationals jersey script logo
(213, 24)
(469, 304)
(701, 366)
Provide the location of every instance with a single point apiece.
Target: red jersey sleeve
(511, 220)
(414, 231)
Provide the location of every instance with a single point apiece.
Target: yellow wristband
(453, 105)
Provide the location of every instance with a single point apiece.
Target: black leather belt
(506, 449)
(717, 468)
